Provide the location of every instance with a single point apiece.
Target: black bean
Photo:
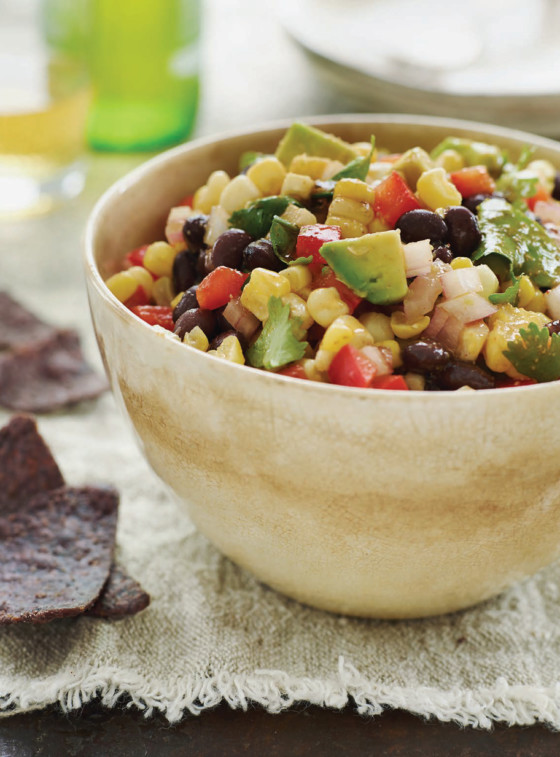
(205, 319)
(473, 201)
(422, 224)
(425, 356)
(187, 302)
(444, 254)
(184, 270)
(221, 323)
(228, 248)
(457, 374)
(553, 327)
(194, 229)
(260, 254)
(463, 232)
(203, 264)
(219, 338)
(556, 188)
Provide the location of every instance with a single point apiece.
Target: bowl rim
(168, 156)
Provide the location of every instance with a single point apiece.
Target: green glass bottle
(144, 66)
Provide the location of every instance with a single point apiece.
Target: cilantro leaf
(257, 218)
(277, 345)
(283, 237)
(357, 168)
(510, 295)
(535, 353)
(301, 261)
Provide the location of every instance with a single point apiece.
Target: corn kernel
(450, 161)
(363, 149)
(378, 325)
(217, 182)
(415, 381)
(538, 303)
(201, 200)
(471, 342)
(196, 338)
(395, 349)
(355, 210)
(325, 305)
(504, 326)
(309, 165)
(526, 291)
(436, 190)
(143, 277)
(267, 175)
(176, 300)
(299, 276)
(230, 349)
(348, 227)
(345, 330)
(461, 263)
(122, 285)
(238, 193)
(159, 258)
(263, 285)
(404, 330)
(162, 291)
(378, 171)
(378, 224)
(354, 189)
(311, 370)
(299, 216)
(488, 279)
(323, 359)
(298, 186)
(298, 309)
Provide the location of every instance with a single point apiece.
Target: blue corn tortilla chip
(121, 596)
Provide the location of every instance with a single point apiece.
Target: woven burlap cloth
(213, 633)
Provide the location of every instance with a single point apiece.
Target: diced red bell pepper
(138, 298)
(541, 195)
(393, 197)
(311, 239)
(350, 367)
(346, 294)
(155, 315)
(473, 180)
(389, 382)
(188, 200)
(295, 370)
(136, 256)
(506, 382)
(219, 287)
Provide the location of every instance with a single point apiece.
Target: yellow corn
(405, 330)
(309, 165)
(323, 359)
(325, 305)
(378, 325)
(378, 171)
(488, 279)
(217, 182)
(461, 263)
(363, 149)
(299, 216)
(354, 210)
(299, 276)
(450, 161)
(436, 191)
(230, 349)
(526, 291)
(201, 201)
(298, 186)
(238, 193)
(471, 342)
(345, 330)
(378, 224)
(143, 277)
(348, 227)
(263, 285)
(196, 338)
(415, 381)
(176, 300)
(267, 175)
(311, 370)
(298, 309)
(538, 303)
(159, 258)
(162, 291)
(122, 285)
(354, 189)
(504, 327)
(395, 349)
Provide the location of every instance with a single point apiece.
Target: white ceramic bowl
(364, 502)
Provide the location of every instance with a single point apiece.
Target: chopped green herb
(301, 261)
(283, 237)
(248, 158)
(535, 353)
(357, 168)
(257, 218)
(277, 344)
(510, 295)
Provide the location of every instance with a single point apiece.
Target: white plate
(489, 60)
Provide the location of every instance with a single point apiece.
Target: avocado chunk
(412, 165)
(372, 265)
(473, 153)
(301, 138)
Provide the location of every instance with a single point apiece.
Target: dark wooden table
(95, 732)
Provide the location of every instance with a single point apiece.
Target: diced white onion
(418, 258)
(444, 328)
(240, 318)
(460, 281)
(468, 307)
(421, 296)
(380, 358)
(217, 224)
(552, 299)
(174, 226)
(548, 211)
